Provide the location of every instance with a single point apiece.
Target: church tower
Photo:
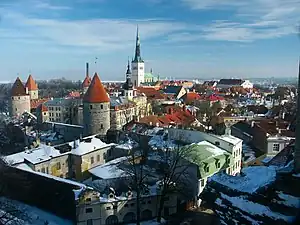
(128, 86)
(32, 88)
(96, 109)
(20, 99)
(137, 64)
(87, 80)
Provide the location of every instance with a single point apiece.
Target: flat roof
(109, 170)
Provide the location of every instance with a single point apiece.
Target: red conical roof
(96, 92)
(18, 88)
(86, 82)
(30, 84)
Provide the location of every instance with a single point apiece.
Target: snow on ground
(296, 175)
(289, 200)
(250, 179)
(151, 222)
(255, 208)
(35, 216)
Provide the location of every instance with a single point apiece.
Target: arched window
(112, 219)
(146, 214)
(129, 217)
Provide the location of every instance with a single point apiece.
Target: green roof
(205, 154)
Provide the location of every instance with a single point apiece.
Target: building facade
(96, 109)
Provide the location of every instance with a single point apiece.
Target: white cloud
(252, 19)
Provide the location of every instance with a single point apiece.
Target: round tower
(20, 99)
(96, 109)
(32, 88)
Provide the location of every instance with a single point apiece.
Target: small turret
(32, 88)
(20, 99)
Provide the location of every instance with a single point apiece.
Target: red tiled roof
(87, 81)
(74, 94)
(96, 92)
(34, 103)
(30, 84)
(215, 98)
(43, 108)
(18, 88)
(151, 92)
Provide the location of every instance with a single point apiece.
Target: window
(89, 222)
(101, 106)
(141, 68)
(43, 170)
(217, 143)
(88, 210)
(115, 207)
(275, 147)
(132, 204)
(108, 208)
(47, 170)
(101, 126)
(91, 106)
(92, 160)
(58, 166)
(98, 158)
(206, 169)
(202, 182)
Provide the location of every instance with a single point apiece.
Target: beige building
(70, 160)
(112, 209)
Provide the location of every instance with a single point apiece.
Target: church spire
(137, 56)
(128, 84)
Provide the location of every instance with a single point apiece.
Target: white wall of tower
(138, 73)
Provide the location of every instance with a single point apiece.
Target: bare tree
(178, 172)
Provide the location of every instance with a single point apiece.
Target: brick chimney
(297, 142)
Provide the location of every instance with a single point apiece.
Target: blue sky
(179, 38)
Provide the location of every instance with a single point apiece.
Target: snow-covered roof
(230, 139)
(215, 151)
(84, 147)
(34, 215)
(37, 155)
(249, 181)
(109, 170)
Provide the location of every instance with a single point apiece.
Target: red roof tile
(87, 81)
(18, 88)
(96, 92)
(34, 103)
(30, 84)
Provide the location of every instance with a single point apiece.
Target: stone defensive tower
(20, 99)
(96, 108)
(32, 88)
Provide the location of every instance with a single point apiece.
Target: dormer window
(111, 195)
(218, 163)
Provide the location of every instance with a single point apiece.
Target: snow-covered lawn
(289, 200)
(33, 215)
(250, 179)
(255, 208)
